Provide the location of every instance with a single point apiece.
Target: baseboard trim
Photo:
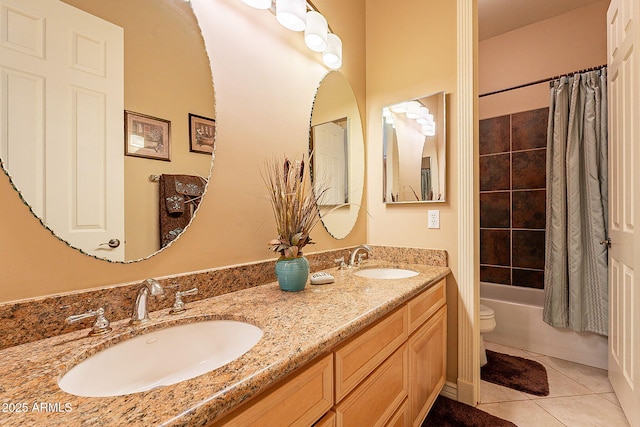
(467, 392)
(450, 390)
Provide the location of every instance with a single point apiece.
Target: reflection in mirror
(68, 160)
(330, 148)
(414, 150)
(337, 154)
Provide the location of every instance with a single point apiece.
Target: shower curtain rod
(550, 79)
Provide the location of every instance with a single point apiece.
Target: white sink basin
(163, 357)
(386, 273)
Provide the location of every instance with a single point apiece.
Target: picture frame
(146, 136)
(202, 133)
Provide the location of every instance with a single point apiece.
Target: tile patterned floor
(579, 396)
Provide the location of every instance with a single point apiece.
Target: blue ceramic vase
(292, 274)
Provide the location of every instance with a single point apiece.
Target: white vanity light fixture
(258, 4)
(332, 55)
(388, 118)
(413, 110)
(399, 108)
(316, 32)
(429, 129)
(291, 14)
(302, 15)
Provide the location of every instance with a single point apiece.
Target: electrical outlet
(434, 218)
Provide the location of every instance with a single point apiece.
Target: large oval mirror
(337, 154)
(414, 150)
(107, 119)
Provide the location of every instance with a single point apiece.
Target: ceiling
(500, 16)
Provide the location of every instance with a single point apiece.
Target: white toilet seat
(486, 312)
(487, 324)
(487, 319)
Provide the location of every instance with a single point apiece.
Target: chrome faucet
(352, 258)
(100, 326)
(140, 312)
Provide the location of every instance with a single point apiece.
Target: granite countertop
(298, 327)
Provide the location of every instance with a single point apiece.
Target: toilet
(487, 324)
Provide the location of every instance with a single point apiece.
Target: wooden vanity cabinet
(427, 364)
(297, 401)
(396, 390)
(378, 397)
(387, 375)
(329, 420)
(360, 355)
(427, 348)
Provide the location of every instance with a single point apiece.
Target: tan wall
(265, 80)
(569, 42)
(411, 52)
(155, 85)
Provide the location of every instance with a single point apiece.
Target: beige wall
(265, 80)
(565, 43)
(411, 52)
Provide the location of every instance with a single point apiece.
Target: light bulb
(258, 4)
(315, 34)
(332, 56)
(413, 109)
(291, 14)
(399, 108)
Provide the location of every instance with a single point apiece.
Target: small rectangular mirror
(414, 150)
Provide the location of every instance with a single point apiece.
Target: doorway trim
(468, 382)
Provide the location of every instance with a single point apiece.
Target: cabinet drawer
(425, 304)
(375, 401)
(299, 401)
(329, 420)
(362, 354)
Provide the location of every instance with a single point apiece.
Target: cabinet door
(329, 420)
(374, 402)
(357, 358)
(427, 364)
(402, 416)
(298, 401)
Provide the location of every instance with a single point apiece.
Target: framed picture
(202, 134)
(147, 136)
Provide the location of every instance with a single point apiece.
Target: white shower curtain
(575, 277)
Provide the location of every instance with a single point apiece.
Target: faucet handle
(178, 305)
(360, 256)
(341, 264)
(100, 327)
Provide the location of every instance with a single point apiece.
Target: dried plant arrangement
(294, 203)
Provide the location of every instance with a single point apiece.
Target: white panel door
(623, 38)
(61, 119)
(330, 161)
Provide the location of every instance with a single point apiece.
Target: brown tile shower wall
(513, 198)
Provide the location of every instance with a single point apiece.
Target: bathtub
(519, 324)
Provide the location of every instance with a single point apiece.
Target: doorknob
(113, 243)
(606, 242)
